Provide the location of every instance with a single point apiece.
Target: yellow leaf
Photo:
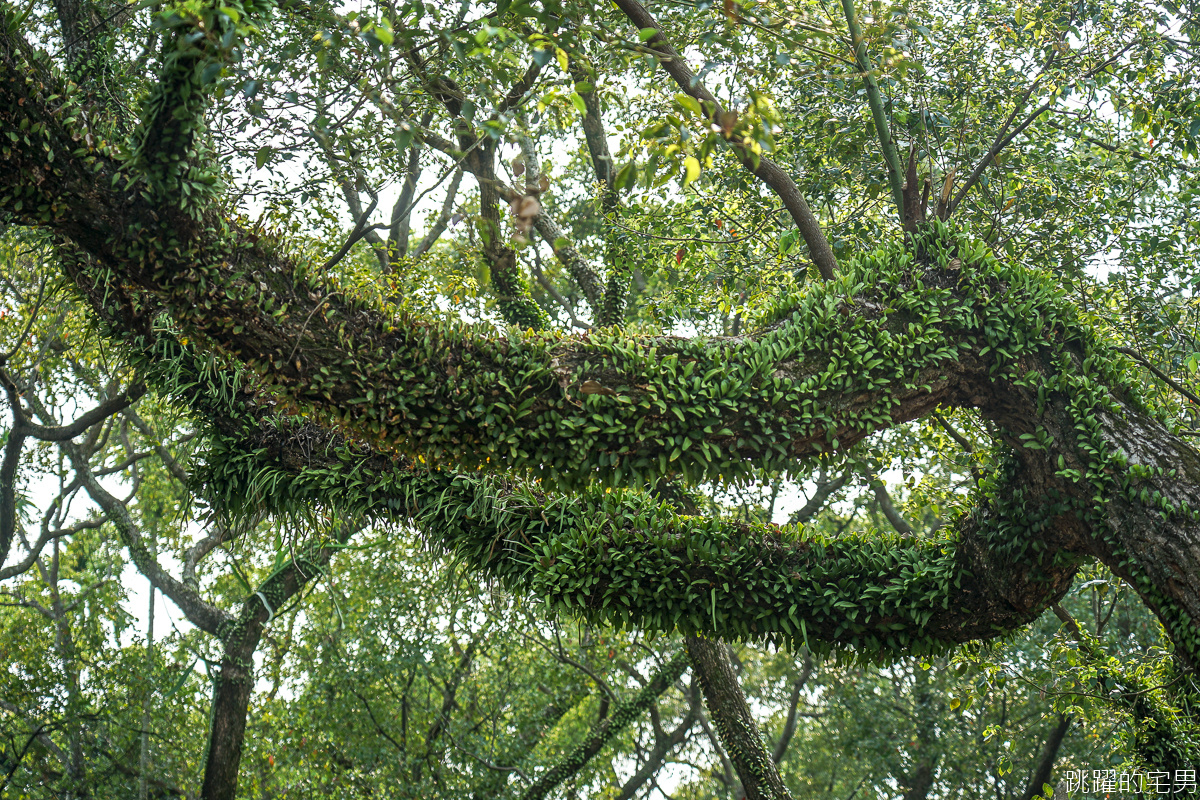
(562, 57)
(692, 169)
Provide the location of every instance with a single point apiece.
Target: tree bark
(736, 728)
(230, 707)
(1045, 766)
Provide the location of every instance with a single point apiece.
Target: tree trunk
(239, 639)
(737, 730)
(231, 703)
(920, 778)
(1045, 766)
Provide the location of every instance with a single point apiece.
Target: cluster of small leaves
(623, 558)
(202, 37)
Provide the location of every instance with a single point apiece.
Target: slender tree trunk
(231, 703)
(920, 778)
(144, 755)
(737, 730)
(1045, 766)
(239, 640)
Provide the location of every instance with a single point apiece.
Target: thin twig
(1167, 378)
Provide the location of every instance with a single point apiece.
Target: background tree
(326, 377)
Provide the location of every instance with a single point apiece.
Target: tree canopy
(550, 283)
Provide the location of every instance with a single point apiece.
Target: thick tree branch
(899, 337)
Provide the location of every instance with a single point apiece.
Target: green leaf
(689, 103)
(627, 176)
(788, 241)
(384, 35)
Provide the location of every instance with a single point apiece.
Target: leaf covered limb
(627, 558)
(850, 359)
(456, 394)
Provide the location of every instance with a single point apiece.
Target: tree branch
(443, 218)
(623, 713)
(200, 613)
(789, 726)
(883, 128)
(764, 168)
(658, 753)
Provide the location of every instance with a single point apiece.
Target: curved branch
(60, 433)
(764, 168)
(199, 611)
(625, 405)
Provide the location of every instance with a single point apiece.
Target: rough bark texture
(230, 705)
(737, 729)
